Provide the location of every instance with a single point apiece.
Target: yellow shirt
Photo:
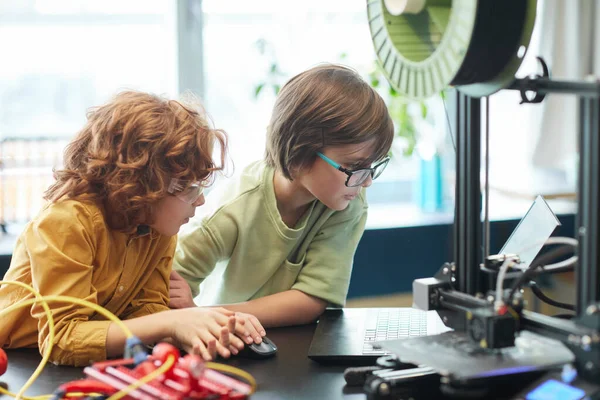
(68, 249)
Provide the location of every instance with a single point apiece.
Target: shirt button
(121, 288)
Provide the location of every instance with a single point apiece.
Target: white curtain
(570, 44)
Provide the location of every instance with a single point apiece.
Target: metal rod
(588, 223)
(453, 299)
(486, 190)
(546, 86)
(467, 226)
(551, 327)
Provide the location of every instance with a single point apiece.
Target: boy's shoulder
(251, 177)
(71, 210)
(244, 187)
(248, 180)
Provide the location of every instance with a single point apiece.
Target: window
(63, 57)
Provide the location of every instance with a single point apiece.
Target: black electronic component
(490, 329)
(357, 376)
(494, 262)
(416, 383)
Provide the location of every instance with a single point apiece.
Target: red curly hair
(128, 151)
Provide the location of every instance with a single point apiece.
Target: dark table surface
(289, 375)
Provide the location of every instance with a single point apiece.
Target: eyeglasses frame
(177, 186)
(352, 172)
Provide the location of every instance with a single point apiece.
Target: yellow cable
(69, 299)
(234, 371)
(110, 316)
(7, 393)
(71, 394)
(49, 396)
(512, 312)
(51, 333)
(82, 394)
(157, 372)
(43, 300)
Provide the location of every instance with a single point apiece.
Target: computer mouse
(264, 349)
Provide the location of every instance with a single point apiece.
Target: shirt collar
(143, 230)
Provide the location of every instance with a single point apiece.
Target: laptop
(346, 336)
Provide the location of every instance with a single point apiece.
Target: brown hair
(327, 105)
(128, 151)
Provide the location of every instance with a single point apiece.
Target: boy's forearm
(149, 329)
(291, 307)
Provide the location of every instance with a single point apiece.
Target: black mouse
(264, 349)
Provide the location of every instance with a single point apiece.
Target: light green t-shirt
(239, 238)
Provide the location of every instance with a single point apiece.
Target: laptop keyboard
(394, 324)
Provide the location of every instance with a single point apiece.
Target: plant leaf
(258, 89)
(423, 110)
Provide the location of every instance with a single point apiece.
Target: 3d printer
(477, 46)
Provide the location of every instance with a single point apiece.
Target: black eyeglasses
(359, 176)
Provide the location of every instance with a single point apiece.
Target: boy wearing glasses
(132, 176)
(280, 240)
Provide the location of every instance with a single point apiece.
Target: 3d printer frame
(468, 285)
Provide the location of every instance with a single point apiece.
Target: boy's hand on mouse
(253, 327)
(179, 292)
(228, 338)
(240, 327)
(206, 332)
